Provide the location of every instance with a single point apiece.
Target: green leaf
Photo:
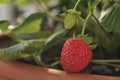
(64, 9)
(80, 19)
(5, 1)
(86, 38)
(71, 19)
(107, 4)
(28, 36)
(54, 39)
(31, 24)
(21, 50)
(111, 20)
(93, 46)
(22, 2)
(4, 26)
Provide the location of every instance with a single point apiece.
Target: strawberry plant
(84, 34)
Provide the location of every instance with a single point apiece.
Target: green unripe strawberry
(71, 19)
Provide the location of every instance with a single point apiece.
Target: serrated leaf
(111, 20)
(31, 24)
(21, 50)
(93, 46)
(4, 26)
(54, 39)
(86, 38)
(5, 1)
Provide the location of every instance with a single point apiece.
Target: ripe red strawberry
(76, 55)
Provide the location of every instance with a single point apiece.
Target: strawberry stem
(75, 7)
(85, 23)
(55, 63)
(38, 60)
(42, 4)
(108, 61)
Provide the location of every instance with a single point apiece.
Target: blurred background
(16, 11)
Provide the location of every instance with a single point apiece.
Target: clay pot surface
(22, 71)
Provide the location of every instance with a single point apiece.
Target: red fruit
(76, 55)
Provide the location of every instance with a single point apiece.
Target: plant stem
(114, 65)
(38, 60)
(55, 63)
(108, 61)
(85, 23)
(76, 5)
(41, 3)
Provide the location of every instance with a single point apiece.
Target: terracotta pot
(21, 71)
